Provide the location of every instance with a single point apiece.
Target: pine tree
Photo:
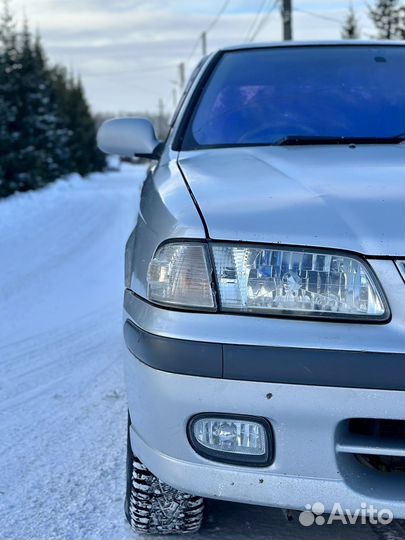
(84, 154)
(9, 75)
(41, 146)
(89, 157)
(46, 126)
(350, 28)
(401, 23)
(388, 18)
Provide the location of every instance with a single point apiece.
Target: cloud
(128, 51)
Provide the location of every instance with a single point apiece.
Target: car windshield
(301, 95)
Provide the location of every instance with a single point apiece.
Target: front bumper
(315, 460)
(308, 466)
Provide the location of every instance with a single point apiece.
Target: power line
(262, 16)
(218, 16)
(208, 29)
(193, 49)
(264, 20)
(256, 18)
(319, 15)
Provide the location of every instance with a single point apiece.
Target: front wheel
(153, 507)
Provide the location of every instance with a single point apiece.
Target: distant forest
(46, 126)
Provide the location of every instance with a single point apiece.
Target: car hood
(321, 196)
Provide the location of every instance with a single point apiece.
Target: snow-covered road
(62, 403)
(62, 400)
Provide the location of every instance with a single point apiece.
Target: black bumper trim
(348, 369)
(174, 355)
(287, 365)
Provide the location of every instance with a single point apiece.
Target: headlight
(179, 275)
(296, 282)
(268, 281)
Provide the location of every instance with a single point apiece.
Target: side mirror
(128, 137)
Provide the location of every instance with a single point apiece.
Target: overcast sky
(127, 51)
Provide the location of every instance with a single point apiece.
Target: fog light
(243, 440)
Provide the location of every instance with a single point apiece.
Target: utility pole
(182, 75)
(161, 119)
(174, 97)
(286, 13)
(204, 43)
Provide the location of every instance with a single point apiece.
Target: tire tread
(156, 508)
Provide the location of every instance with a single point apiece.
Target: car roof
(351, 42)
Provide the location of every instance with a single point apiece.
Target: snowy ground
(62, 400)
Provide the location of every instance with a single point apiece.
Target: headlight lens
(295, 282)
(179, 275)
(260, 280)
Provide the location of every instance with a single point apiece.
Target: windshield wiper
(301, 140)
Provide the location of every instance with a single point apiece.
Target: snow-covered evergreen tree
(401, 23)
(84, 155)
(388, 17)
(9, 75)
(46, 126)
(350, 28)
(43, 137)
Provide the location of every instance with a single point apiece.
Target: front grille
(371, 455)
(378, 429)
(385, 440)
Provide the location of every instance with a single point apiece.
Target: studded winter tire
(153, 507)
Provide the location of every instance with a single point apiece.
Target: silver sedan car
(264, 309)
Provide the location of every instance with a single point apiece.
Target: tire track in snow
(62, 404)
